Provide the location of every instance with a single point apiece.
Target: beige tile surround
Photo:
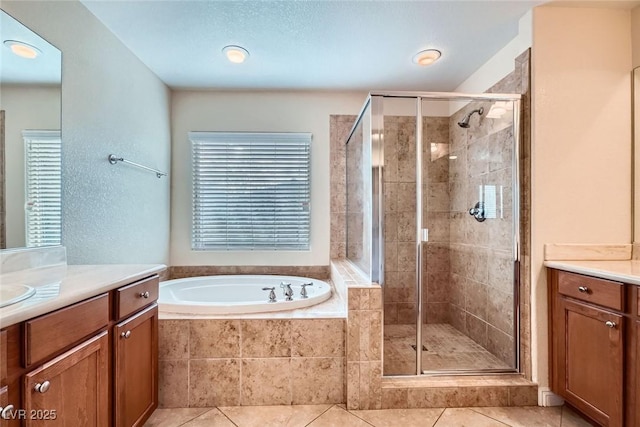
(213, 362)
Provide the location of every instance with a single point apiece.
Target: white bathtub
(237, 294)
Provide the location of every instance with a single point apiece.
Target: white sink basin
(11, 294)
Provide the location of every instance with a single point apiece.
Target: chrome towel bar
(113, 159)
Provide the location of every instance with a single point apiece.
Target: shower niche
(433, 216)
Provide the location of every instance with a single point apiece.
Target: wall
(581, 140)
(254, 111)
(635, 36)
(26, 107)
(111, 103)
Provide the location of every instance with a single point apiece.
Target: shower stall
(433, 216)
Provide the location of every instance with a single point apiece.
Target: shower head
(464, 123)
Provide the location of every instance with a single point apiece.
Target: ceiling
(313, 45)
(43, 70)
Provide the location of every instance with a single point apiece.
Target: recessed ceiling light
(426, 57)
(235, 54)
(22, 49)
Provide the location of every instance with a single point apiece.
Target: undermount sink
(11, 294)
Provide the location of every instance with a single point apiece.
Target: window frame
(292, 154)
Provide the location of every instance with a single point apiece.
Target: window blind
(251, 191)
(43, 214)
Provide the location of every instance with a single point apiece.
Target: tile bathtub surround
(363, 337)
(320, 272)
(215, 362)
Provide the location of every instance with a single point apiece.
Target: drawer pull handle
(126, 335)
(144, 294)
(6, 412)
(42, 387)
(583, 289)
(610, 324)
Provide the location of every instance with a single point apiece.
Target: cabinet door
(136, 368)
(72, 389)
(590, 360)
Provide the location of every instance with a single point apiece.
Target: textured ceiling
(325, 45)
(44, 69)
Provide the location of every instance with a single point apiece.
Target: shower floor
(446, 349)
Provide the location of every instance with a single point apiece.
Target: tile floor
(338, 416)
(447, 349)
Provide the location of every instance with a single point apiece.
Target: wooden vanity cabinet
(590, 346)
(72, 389)
(135, 352)
(78, 366)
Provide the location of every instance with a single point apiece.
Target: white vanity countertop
(63, 285)
(621, 271)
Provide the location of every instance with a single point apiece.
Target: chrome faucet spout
(288, 292)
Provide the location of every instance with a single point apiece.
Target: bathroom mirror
(30, 101)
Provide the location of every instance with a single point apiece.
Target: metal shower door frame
(375, 100)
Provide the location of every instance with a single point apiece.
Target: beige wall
(254, 111)
(581, 140)
(635, 35)
(32, 108)
(111, 103)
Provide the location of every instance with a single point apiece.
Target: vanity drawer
(48, 334)
(590, 289)
(132, 298)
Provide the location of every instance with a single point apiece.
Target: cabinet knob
(610, 324)
(144, 294)
(5, 414)
(42, 387)
(125, 335)
(583, 289)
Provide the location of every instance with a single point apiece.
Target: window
(251, 191)
(43, 217)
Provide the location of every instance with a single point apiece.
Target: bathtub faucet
(303, 292)
(272, 294)
(288, 292)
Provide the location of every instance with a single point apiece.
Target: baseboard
(548, 398)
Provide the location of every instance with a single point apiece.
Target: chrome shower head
(464, 123)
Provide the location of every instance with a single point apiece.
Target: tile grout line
(321, 414)
(197, 416)
(489, 416)
(226, 416)
(439, 416)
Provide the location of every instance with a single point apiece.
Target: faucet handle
(272, 293)
(303, 292)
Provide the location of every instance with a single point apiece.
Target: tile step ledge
(456, 381)
(458, 391)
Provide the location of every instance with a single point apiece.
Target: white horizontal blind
(43, 221)
(251, 191)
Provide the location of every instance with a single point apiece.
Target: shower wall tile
(500, 310)
(500, 344)
(476, 299)
(437, 312)
(339, 128)
(476, 329)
